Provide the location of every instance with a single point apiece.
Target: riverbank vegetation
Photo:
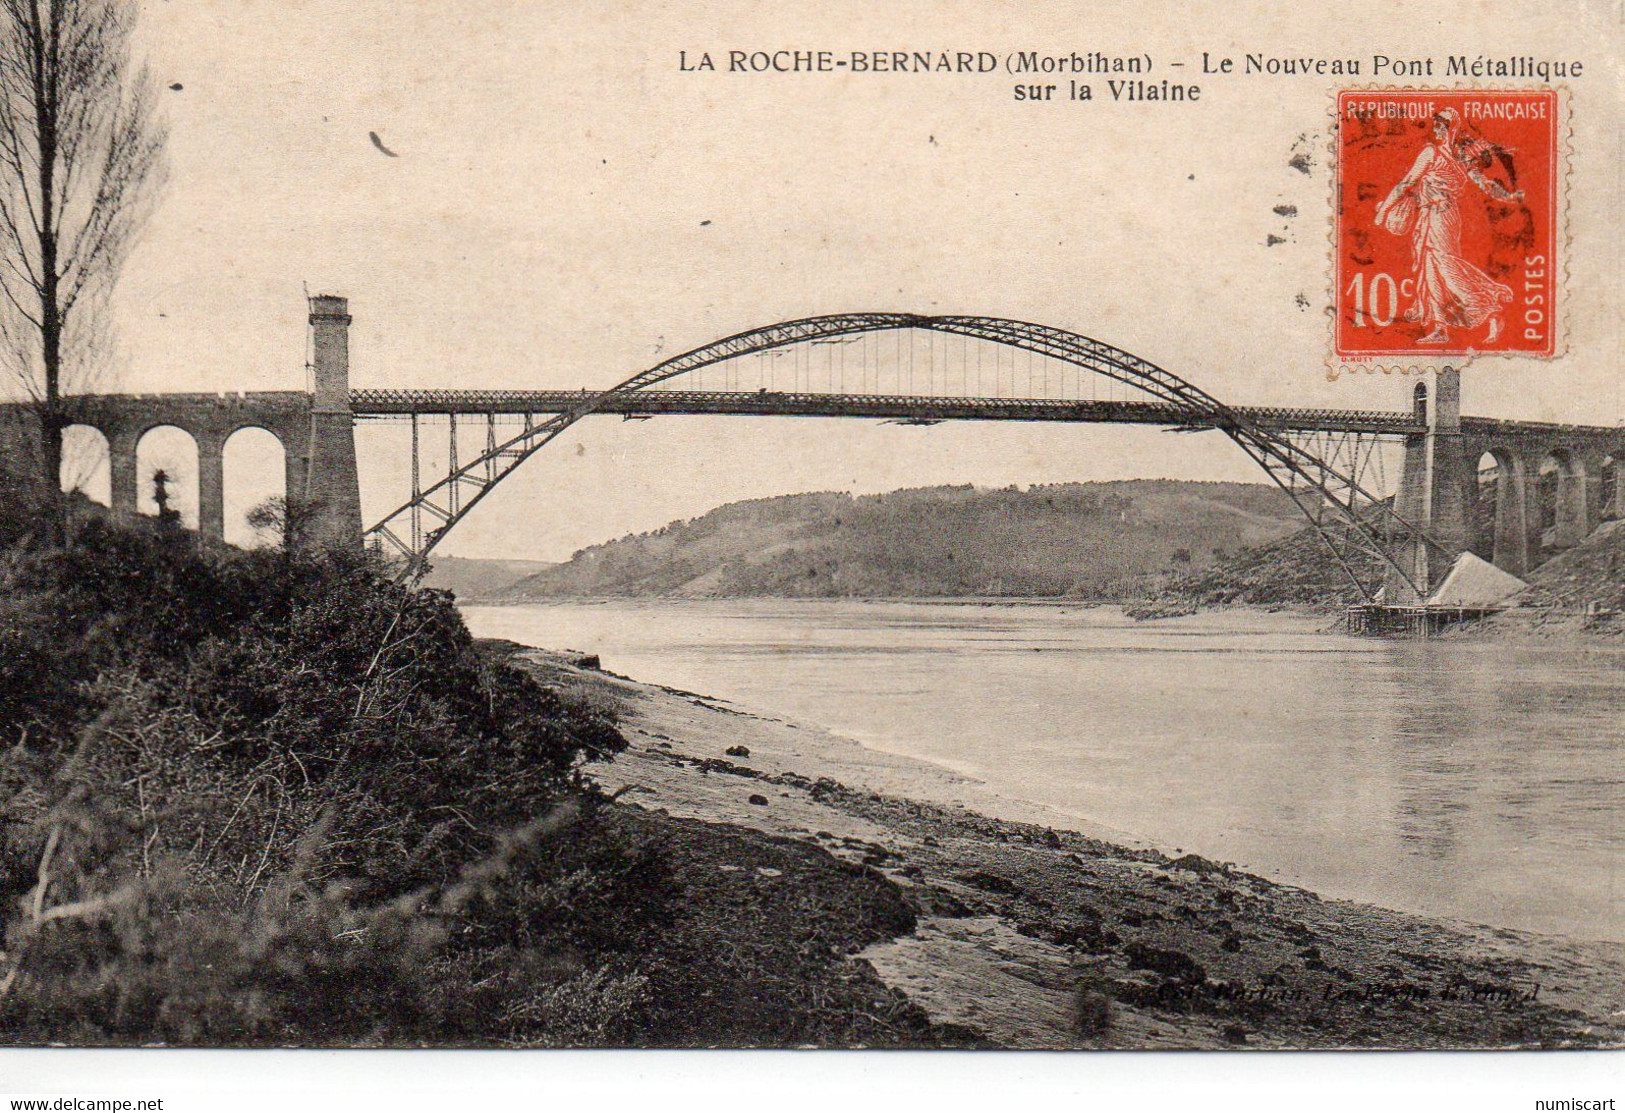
(271, 798)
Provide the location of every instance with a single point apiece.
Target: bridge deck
(394, 404)
(923, 408)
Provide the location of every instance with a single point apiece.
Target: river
(1456, 778)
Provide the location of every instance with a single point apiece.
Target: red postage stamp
(1446, 223)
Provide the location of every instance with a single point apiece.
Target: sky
(567, 208)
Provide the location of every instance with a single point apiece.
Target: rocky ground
(1018, 934)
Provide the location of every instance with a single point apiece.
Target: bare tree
(81, 157)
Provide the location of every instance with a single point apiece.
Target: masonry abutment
(1411, 504)
(331, 487)
(1433, 491)
(1449, 473)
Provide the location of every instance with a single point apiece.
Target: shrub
(596, 698)
(244, 691)
(157, 959)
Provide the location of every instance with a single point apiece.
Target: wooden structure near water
(1380, 620)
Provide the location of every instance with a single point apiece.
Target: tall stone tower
(331, 487)
(1449, 477)
(1433, 491)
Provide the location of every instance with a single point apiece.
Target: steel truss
(1333, 491)
(1362, 536)
(382, 405)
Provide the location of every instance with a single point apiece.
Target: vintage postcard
(533, 526)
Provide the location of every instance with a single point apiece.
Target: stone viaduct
(1513, 492)
(1549, 485)
(314, 428)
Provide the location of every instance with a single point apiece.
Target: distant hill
(1087, 540)
(473, 579)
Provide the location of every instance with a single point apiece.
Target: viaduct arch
(315, 430)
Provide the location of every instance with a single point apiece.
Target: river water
(1464, 779)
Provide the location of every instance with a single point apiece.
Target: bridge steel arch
(1353, 520)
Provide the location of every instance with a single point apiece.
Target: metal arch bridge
(908, 408)
(1321, 458)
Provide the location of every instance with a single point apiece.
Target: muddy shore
(1031, 935)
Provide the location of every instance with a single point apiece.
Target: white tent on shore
(1475, 583)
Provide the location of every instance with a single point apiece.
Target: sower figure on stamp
(1450, 292)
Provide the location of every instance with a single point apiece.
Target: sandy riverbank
(1017, 917)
